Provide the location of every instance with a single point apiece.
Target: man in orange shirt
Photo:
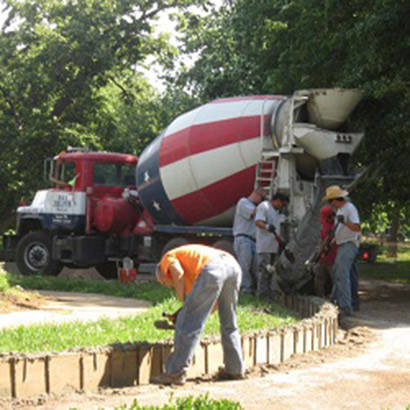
(205, 279)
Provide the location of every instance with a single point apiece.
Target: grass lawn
(36, 338)
(188, 403)
(389, 269)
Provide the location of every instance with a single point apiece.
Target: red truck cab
(66, 224)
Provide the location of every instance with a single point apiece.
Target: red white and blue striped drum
(205, 161)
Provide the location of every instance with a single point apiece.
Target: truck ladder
(266, 171)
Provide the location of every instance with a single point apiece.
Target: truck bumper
(8, 252)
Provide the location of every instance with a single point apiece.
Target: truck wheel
(225, 245)
(108, 270)
(33, 255)
(173, 243)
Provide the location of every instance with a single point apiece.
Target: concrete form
(135, 364)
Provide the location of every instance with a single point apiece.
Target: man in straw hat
(205, 279)
(347, 238)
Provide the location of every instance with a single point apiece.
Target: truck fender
(27, 223)
(34, 254)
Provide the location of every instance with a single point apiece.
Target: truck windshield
(62, 173)
(106, 174)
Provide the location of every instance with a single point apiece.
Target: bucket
(128, 273)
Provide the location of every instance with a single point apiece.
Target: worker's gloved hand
(271, 228)
(340, 219)
(172, 317)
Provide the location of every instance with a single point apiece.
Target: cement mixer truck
(189, 179)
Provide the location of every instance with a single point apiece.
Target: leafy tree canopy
(69, 76)
(278, 46)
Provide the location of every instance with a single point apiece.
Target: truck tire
(173, 243)
(33, 255)
(225, 245)
(108, 270)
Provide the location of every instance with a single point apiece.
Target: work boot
(225, 375)
(343, 319)
(170, 378)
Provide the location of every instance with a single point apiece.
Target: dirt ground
(368, 368)
(20, 300)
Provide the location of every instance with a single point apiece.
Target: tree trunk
(395, 225)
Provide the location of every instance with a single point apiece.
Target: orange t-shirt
(192, 259)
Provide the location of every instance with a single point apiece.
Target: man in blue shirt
(244, 231)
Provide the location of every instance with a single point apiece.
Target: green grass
(147, 291)
(188, 403)
(390, 269)
(53, 337)
(4, 284)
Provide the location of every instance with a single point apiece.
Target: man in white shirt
(267, 220)
(347, 238)
(244, 231)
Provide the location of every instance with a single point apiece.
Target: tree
(278, 46)
(59, 60)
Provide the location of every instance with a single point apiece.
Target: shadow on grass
(257, 305)
(398, 271)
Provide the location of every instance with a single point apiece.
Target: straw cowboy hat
(334, 192)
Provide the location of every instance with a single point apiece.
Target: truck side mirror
(47, 169)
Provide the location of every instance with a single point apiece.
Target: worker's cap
(334, 192)
(326, 211)
(280, 196)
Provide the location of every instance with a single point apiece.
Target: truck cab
(80, 179)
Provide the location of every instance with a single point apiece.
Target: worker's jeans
(345, 265)
(245, 250)
(219, 281)
(354, 283)
(264, 290)
(323, 278)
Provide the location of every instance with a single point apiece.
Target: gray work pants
(245, 251)
(264, 290)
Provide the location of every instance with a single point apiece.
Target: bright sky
(165, 25)
(3, 15)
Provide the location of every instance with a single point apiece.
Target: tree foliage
(278, 46)
(69, 76)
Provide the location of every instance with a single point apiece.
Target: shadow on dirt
(383, 305)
